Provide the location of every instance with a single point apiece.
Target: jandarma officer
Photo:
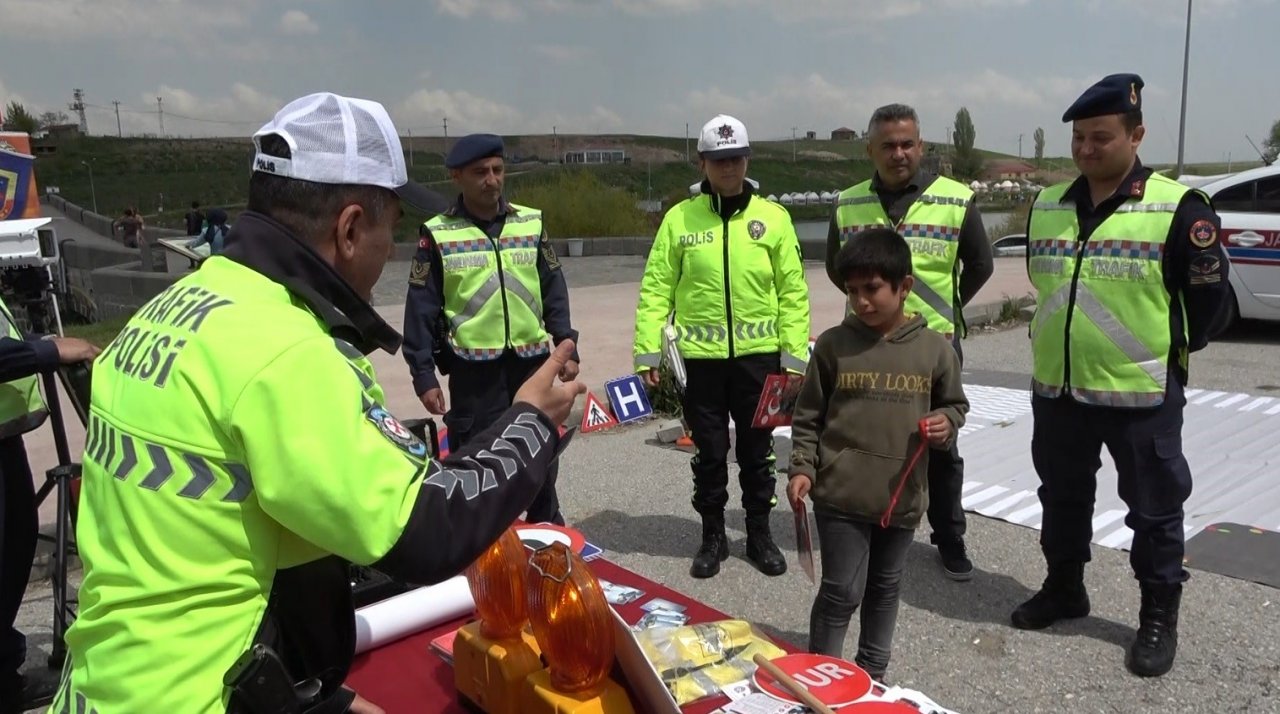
(1130, 275)
(486, 301)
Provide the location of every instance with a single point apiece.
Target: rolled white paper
(414, 611)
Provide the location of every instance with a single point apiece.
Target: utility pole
(1182, 121)
(793, 144)
(119, 133)
(555, 143)
(686, 142)
(160, 107)
(1020, 146)
(446, 136)
(78, 107)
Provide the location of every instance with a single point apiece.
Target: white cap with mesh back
(342, 140)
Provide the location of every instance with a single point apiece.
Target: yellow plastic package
(695, 661)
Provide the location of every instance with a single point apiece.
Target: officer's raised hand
(433, 400)
(542, 392)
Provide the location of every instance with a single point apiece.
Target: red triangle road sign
(595, 417)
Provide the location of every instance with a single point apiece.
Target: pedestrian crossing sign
(595, 417)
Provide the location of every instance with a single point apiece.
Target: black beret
(1113, 94)
(473, 147)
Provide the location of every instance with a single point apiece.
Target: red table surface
(408, 676)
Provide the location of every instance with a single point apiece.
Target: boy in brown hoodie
(877, 385)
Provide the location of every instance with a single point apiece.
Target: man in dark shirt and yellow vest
(22, 410)
(1130, 276)
(951, 261)
(486, 301)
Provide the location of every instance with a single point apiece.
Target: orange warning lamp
(573, 625)
(492, 656)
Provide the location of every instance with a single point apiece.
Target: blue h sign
(628, 398)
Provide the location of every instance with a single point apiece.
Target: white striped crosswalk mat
(1228, 439)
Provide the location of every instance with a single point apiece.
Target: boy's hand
(797, 488)
(938, 429)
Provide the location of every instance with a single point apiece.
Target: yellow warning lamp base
(538, 697)
(491, 673)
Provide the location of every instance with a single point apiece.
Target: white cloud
(297, 22)
(425, 110)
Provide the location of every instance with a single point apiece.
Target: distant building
(811, 135)
(596, 156)
(1012, 170)
(844, 133)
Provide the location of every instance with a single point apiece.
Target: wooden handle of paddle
(792, 685)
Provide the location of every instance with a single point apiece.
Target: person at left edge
(728, 265)
(22, 409)
(239, 454)
(485, 292)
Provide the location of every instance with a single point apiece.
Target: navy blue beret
(473, 147)
(1113, 94)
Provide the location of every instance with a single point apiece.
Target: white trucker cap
(723, 137)
(342, 140)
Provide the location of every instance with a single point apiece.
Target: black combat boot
(1152, 651)
(1061, 597)
(714, 549)
(760, 548)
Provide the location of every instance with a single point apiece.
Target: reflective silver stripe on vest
(703, 333)
(1131, 400)
(754, 330)
(1052, 304)
(933, 300)
(1135, 207)
(513, 218)
(1132, 348)
(859, 200)
(477, 301)
(652, 360)
(104, 441)
(1054, 206)
(529, 299)
(532, 350)
(943, 200)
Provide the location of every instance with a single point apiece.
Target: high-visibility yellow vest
(492, 292)
(932, 228)
(21, 406)
(735, 288)
(1102, 309)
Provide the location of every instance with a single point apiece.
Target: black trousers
(479, 393)
(19, 524)
(1153, 479)
(862, 566)
(718, 388)
(946, 483)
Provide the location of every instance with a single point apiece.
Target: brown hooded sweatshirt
(855, 423)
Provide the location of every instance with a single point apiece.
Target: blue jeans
(861, 566)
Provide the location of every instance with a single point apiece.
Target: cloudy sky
(651, 66)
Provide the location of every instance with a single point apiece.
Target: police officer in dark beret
(485, 303)
(1130, 275)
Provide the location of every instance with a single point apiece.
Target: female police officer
(727, 263)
